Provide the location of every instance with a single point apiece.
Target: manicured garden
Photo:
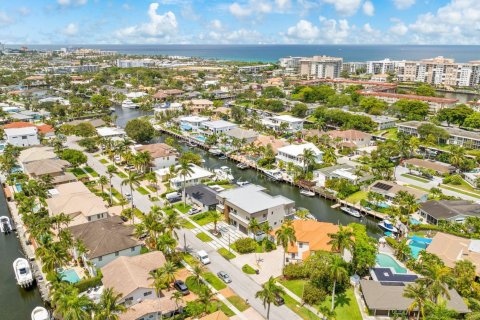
(238, 303)
(357, 197)
(91, 172)
(214, 281)
(248, 269)
(183, 208)
(142, 191)
(203, 218)
(226, 254)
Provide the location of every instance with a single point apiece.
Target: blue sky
(240, 21)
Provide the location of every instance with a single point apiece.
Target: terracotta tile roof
(350, 135)
(45, 128)
(19, 124)
(266, 140)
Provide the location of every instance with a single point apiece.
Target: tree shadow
(342, 300)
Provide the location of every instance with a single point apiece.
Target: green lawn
(104, 161)
(225, 309)
(357, 197)
(121, 175)
(193, 286)
(296, 286)
(214, 281)
(189, 259)
(456, 189)
(143, 191)
(203, 218)
(91, 172)
(413, 177)
(79, 173)
(465, 186)
(187, 224)
(226, 254)
(248, 269)
(181, 207)
(346, 307)
(204, 237)
(417, 187)
(154, 199)
(238, 303)
(152, 188)
(303, 312)
(117, 194)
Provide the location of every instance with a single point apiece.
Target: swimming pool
(418, 244)
(201, 138)
(383, 205)
(18, 187)
(385, 261)
(70, 275)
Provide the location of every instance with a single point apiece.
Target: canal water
(319, 207)
(15, 303)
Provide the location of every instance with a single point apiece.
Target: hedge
(226, 254)
(245, 245)
(85, 284)
(248, 269)
(432, 227)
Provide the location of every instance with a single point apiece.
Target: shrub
(245, 245)
(85, 284)
(226, 254)
(313, 295)
(294, 271)
(455, 179)
(248, 269)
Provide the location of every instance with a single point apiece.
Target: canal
(319, 207)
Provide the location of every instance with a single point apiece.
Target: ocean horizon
(272, 52)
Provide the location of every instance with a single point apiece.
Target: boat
(215, 151)
(23, 272)
(307, 193)
(387, 226)
(351, 211)
(242, 165)
(129, 104)
(40, 313)
(223, 157)
(5, 224)
(191, 144)
(274, 175)
(242, 183)
(224, 173)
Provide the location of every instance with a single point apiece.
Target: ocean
(271, 53)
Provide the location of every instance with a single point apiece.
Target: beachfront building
(218, 126)
(192, 123)
(197, 176)
(284, 123)
(22, 137)
(449, 210)
(390, 189)
(241, 205)
(294, 154)
(163, 155)
(321, 67)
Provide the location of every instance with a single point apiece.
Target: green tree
(268, 294)
(419, 295)
(436, 279)
(140, 130)
(109, 306)
(70, 305)
(184, 171)
(75, 157)
(338, 273)
(342, 240)
(285, 236)
(85, 129)
(299, 110)
(425, 90)
(132, 179)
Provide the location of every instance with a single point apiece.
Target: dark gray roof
(387, 275)
(448, 209)
(203, 194)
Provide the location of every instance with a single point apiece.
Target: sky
(240, 22)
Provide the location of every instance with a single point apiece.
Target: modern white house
(473, 177)
(292, 124)
(241, 205)
(22, 137)
(192, 123)
(218, 126)
(197, 176)
(339, 171)
(294, 153)
(111, 132)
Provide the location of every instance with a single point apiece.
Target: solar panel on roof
(383, 186)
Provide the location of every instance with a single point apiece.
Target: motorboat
(223, 157)
(242, 183)
(351, 211)
(129, 104)
(223, 173)
(387, 226)
(215, 151)
(307, 193)
(23, 272)
(191, 144)
(5, 224)
(40, 313)
(242, 165)
(274, 175)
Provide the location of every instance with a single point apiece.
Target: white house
(163, 155)
(111, 132)
(218, 126)
(22, 137)
(293, 124)
(192, 123)
(294, 153)
(197, 175)
(473, 177)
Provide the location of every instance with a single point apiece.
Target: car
(193, 211)
(181, 286)
(129, 167)
(279, 300)
(224, 276)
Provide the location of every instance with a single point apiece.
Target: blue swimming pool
(383, 205)
(415, 221)
(386, 261)
(70, 275)
(201, 138)
(18, 187)
(418, 244)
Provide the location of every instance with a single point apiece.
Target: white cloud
(399, 28)
(5, 19)
(238, 11)
(368, 8)
(303, 30)
(216, 24)
(70, 30)
(160, 27)
(237, 36)
(24, 11)
(252, 7)
(329, 31)
(403, 4)
(345, 7)
(334, 31)
(283, 4)
(66, 3)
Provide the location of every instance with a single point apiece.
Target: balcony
(236, 216)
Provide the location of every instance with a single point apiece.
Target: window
(300, 245)
(132, 249)
(147, 293)
(117, 254)
(100, 258)
(98, 216)
(24, 137)
(89, 218)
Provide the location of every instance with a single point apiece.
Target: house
(294, 153)
(383, 299)
(163, 155)
(383, 122)
(196, 106)
(339, 171)
(96, 123)
(46, 130)
(265, 141)
(246, 135)
(284, 123)
(311, 236)
(111, 132)
(202, 196)
(36, 154)
(449, 210)
(242, 204)
(54, 168)
(130, 276)
(22, 137)
(192, 123)
(390, 189)
(437, 167)
(75, 200)
(197, 176)
(150, 309)
(473, 177)
(106, 240)
(351, 138)
(218, 126)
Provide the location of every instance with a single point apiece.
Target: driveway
(269, 264)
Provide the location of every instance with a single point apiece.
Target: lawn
(296, 286)
(152, 188)
(91, 172)
(346, 306)
(187, 224)
(238, 303)
(204, 237)
(226, 254)
(189, 259)
(417, 187)
(248, 269)
(464, 186)
(79, 173)
(457, 189)
(117, 194)
(357, 197)
(225, 309)
(193, 286)
(104, 161)
(203, 218)
(413, 177)
(180, 206)
(214, 281)
(143, 191)
(303, 312)
(121, 175)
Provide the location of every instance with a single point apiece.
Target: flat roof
(287, 118)
(203, 194)
(217, 124)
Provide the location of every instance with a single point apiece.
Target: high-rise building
(321, 67)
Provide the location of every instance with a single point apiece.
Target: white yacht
(224, 173)
(387, 226)
(274, 175)
(215, 151)
(307, 193)
(351, 211)
(242, 165)
(40, 313)
(129, 104)
(23, 272)
(5, 224)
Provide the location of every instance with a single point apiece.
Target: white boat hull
(307, 193)
(23, 272)
(352, 212)
(40, 313)
(5, 224)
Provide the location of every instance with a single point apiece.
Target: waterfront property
(339, 171)
(384, 260)
(284, 123)
(449, 210)
(105, 240)
(192, 123)
(240, 205)
(294, 154)
(111, 132)
(196, 176)
(350, 138)
(54, 168)
(242, 134)
(265, 141)
(390, 189)
(163, 155)
(202, 196)
(438, 167)
(218, 126)
(22, 137)
(196, 106)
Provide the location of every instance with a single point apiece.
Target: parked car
(193, 211)
(202, 256)
(279, 300)
(129, 167)
(181, 286)
(224, 276)
(128, 196)
(173, 197)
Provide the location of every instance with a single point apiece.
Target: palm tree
(285, 236)
(329, 156)
(184, 171)
(254, 226)
(111, 169)
(172, 222)
(341, 240)
(327, 314)
(109, 306)
(149, 226)
(132, 179)
(419, 295)
(178, 297)
(102, 181)
(168, 272)
(159, 282)
(197, 271)
(215, 216)
(308, 158)
(337, 273)
(436, 279)
(268, 294)
(128, 214)
(166, 243)
(70, 305)
(440, 311)
(403, 250)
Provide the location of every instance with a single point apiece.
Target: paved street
(242, 284)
